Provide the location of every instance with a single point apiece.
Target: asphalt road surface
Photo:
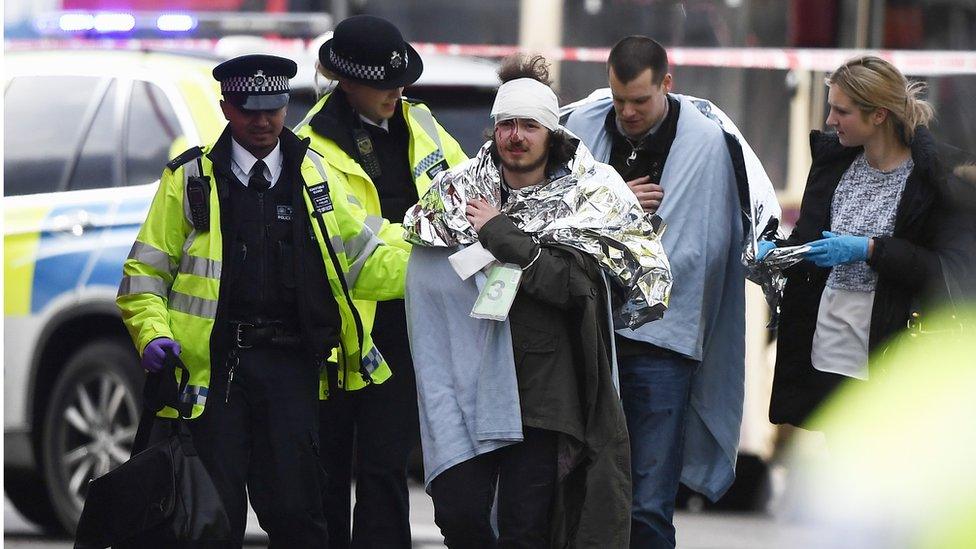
(707, 530)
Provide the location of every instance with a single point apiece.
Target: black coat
(562, 337)
(908, 265)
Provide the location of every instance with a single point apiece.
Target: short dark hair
(562, 149)
(520, 65)
(635, 54)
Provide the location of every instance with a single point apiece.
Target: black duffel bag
(163, 496)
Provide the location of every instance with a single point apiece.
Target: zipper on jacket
(357, 321)
(263, 258)
(232, 360)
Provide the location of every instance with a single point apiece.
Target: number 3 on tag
(497, 296)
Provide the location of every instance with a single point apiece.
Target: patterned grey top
(865, 204)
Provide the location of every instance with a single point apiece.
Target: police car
(87, 135)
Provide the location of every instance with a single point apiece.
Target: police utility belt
(274, 333)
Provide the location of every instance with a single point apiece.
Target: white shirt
(243, 161)
(383, 125)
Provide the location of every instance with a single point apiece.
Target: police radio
(367, 154)
(198, 196)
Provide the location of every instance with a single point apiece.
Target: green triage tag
(497, 296)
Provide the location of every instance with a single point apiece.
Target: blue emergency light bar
(84, 24)
(74, 22)
(175, 22)
(114, 22)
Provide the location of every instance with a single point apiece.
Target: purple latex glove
(155, 353)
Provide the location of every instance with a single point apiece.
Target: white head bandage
(526, 98)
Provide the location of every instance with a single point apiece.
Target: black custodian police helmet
(256, 82)
(370, 50)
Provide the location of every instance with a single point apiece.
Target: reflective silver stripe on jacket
(375, 223)
(190, 169)
(358, 250)
(317, 162)
(372, 360)
(152, 256)
(193, 305)
(337, 244)
(200, 266)
(305, 121)
(195, 394)
(426, 121)
(143, 284)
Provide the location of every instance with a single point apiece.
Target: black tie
(257, 181)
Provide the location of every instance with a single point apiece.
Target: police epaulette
(190, 154)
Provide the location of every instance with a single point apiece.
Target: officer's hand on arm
(648, 194)
(155, 353)
(480, 212)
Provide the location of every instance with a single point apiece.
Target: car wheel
(90, 424)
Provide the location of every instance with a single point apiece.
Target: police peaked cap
(256, 82)
(370, 50)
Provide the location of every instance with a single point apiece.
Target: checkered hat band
(362, 72)
(255, 84)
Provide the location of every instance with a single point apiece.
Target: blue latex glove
(837, 250)
(155, 353)
(765, 247)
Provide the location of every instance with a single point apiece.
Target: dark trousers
(525, 474)
(265, 437)
(655, 389)
(374, 428)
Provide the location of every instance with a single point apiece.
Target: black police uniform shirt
(266, 273)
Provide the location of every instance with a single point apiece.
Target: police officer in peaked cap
(246, 267)
(386, 149)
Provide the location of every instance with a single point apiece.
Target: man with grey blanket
(526, 401)
(681, 378)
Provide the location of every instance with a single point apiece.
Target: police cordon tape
(915, 62)
(912, 62)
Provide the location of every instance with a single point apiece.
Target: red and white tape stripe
(913, 62)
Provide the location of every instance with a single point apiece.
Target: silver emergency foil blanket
(588, 208)
(768, 274)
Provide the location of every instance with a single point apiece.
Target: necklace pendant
(632, 157)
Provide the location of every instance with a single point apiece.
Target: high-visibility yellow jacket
(431, 150)
(171, 279)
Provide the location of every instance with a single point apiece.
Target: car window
(42, 119)
(300, 102)
(153, 126)
(95, 167)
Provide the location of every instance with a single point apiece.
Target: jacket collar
(926, 183)
(292, 149)
(336, 120)
(825, 147)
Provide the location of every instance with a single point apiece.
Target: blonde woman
(873, 214)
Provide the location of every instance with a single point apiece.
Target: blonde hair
(873, 83)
